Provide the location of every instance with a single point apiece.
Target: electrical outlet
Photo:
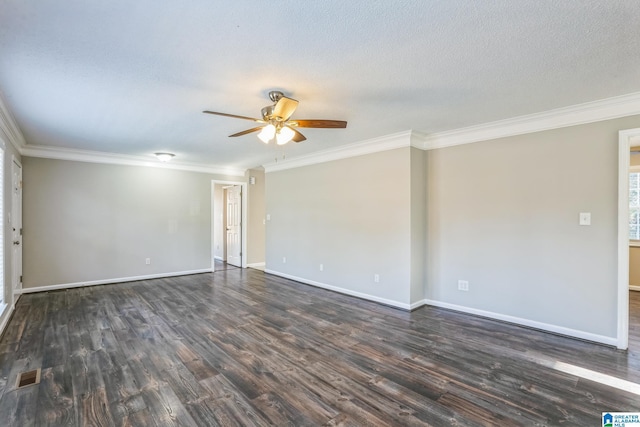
(463, 285)
(147, 261)
(284, 259)
(376, 278)
(585, 218)
(321, 267)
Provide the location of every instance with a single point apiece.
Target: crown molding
(120, 159)
(588, 112)
(374, 145)
(9, 129)
(419, 139)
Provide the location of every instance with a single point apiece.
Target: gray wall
(87, 221)
(503, 214)
(256, 217)
(352, 216)
(418, 224)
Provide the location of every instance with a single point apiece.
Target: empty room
(362, 213)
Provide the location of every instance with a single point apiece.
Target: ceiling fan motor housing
(275, 95)
(267, 112)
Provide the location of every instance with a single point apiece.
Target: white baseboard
(526, 322)
(417, 304)
(110, 281)
(634, 288)
(6, 315)
(349, 292)
(257, 265)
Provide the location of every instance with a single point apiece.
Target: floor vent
(28, 378)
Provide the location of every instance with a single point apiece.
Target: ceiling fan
(277, 124)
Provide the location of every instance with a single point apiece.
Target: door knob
(17, 242)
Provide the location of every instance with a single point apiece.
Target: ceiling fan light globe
(284, 135)
(267, 133)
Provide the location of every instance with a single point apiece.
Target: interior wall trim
(9, 128)
(374, 145)
(588, 112)
(417, 304)
(121, 159)
(6, 316)
(546, 327)
(259, 265)
(392, 303)
(111, 281)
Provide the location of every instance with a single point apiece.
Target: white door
(234, 225)
(16, 224)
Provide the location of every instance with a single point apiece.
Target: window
(634, 206)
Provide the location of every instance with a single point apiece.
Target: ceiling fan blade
(336, 124)
(284, 108)
(244, 132)
(298, 137)
(234, 116)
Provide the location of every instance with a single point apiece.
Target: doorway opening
(626, 139)
(228, 219)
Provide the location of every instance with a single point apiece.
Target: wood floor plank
(241, 347)
(18, 407)
(279, 411)
(56, 345)
(123, 393)
(185, 385)
(165, 407)
(194, 362)
(204, 413)
(93, 408)
(237, 411)
(55, 398)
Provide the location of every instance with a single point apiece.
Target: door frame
(231, 257)
(624, 158)
(243, 225)
(16, 283)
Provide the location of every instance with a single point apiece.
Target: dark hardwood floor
(240, 347)
(222, 265)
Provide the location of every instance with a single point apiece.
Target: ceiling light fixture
(284, 135)
(281, 134)
(165, 157)
(267, 133)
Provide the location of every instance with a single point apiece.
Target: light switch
(585, 218)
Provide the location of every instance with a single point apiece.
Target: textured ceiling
(132, 77)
